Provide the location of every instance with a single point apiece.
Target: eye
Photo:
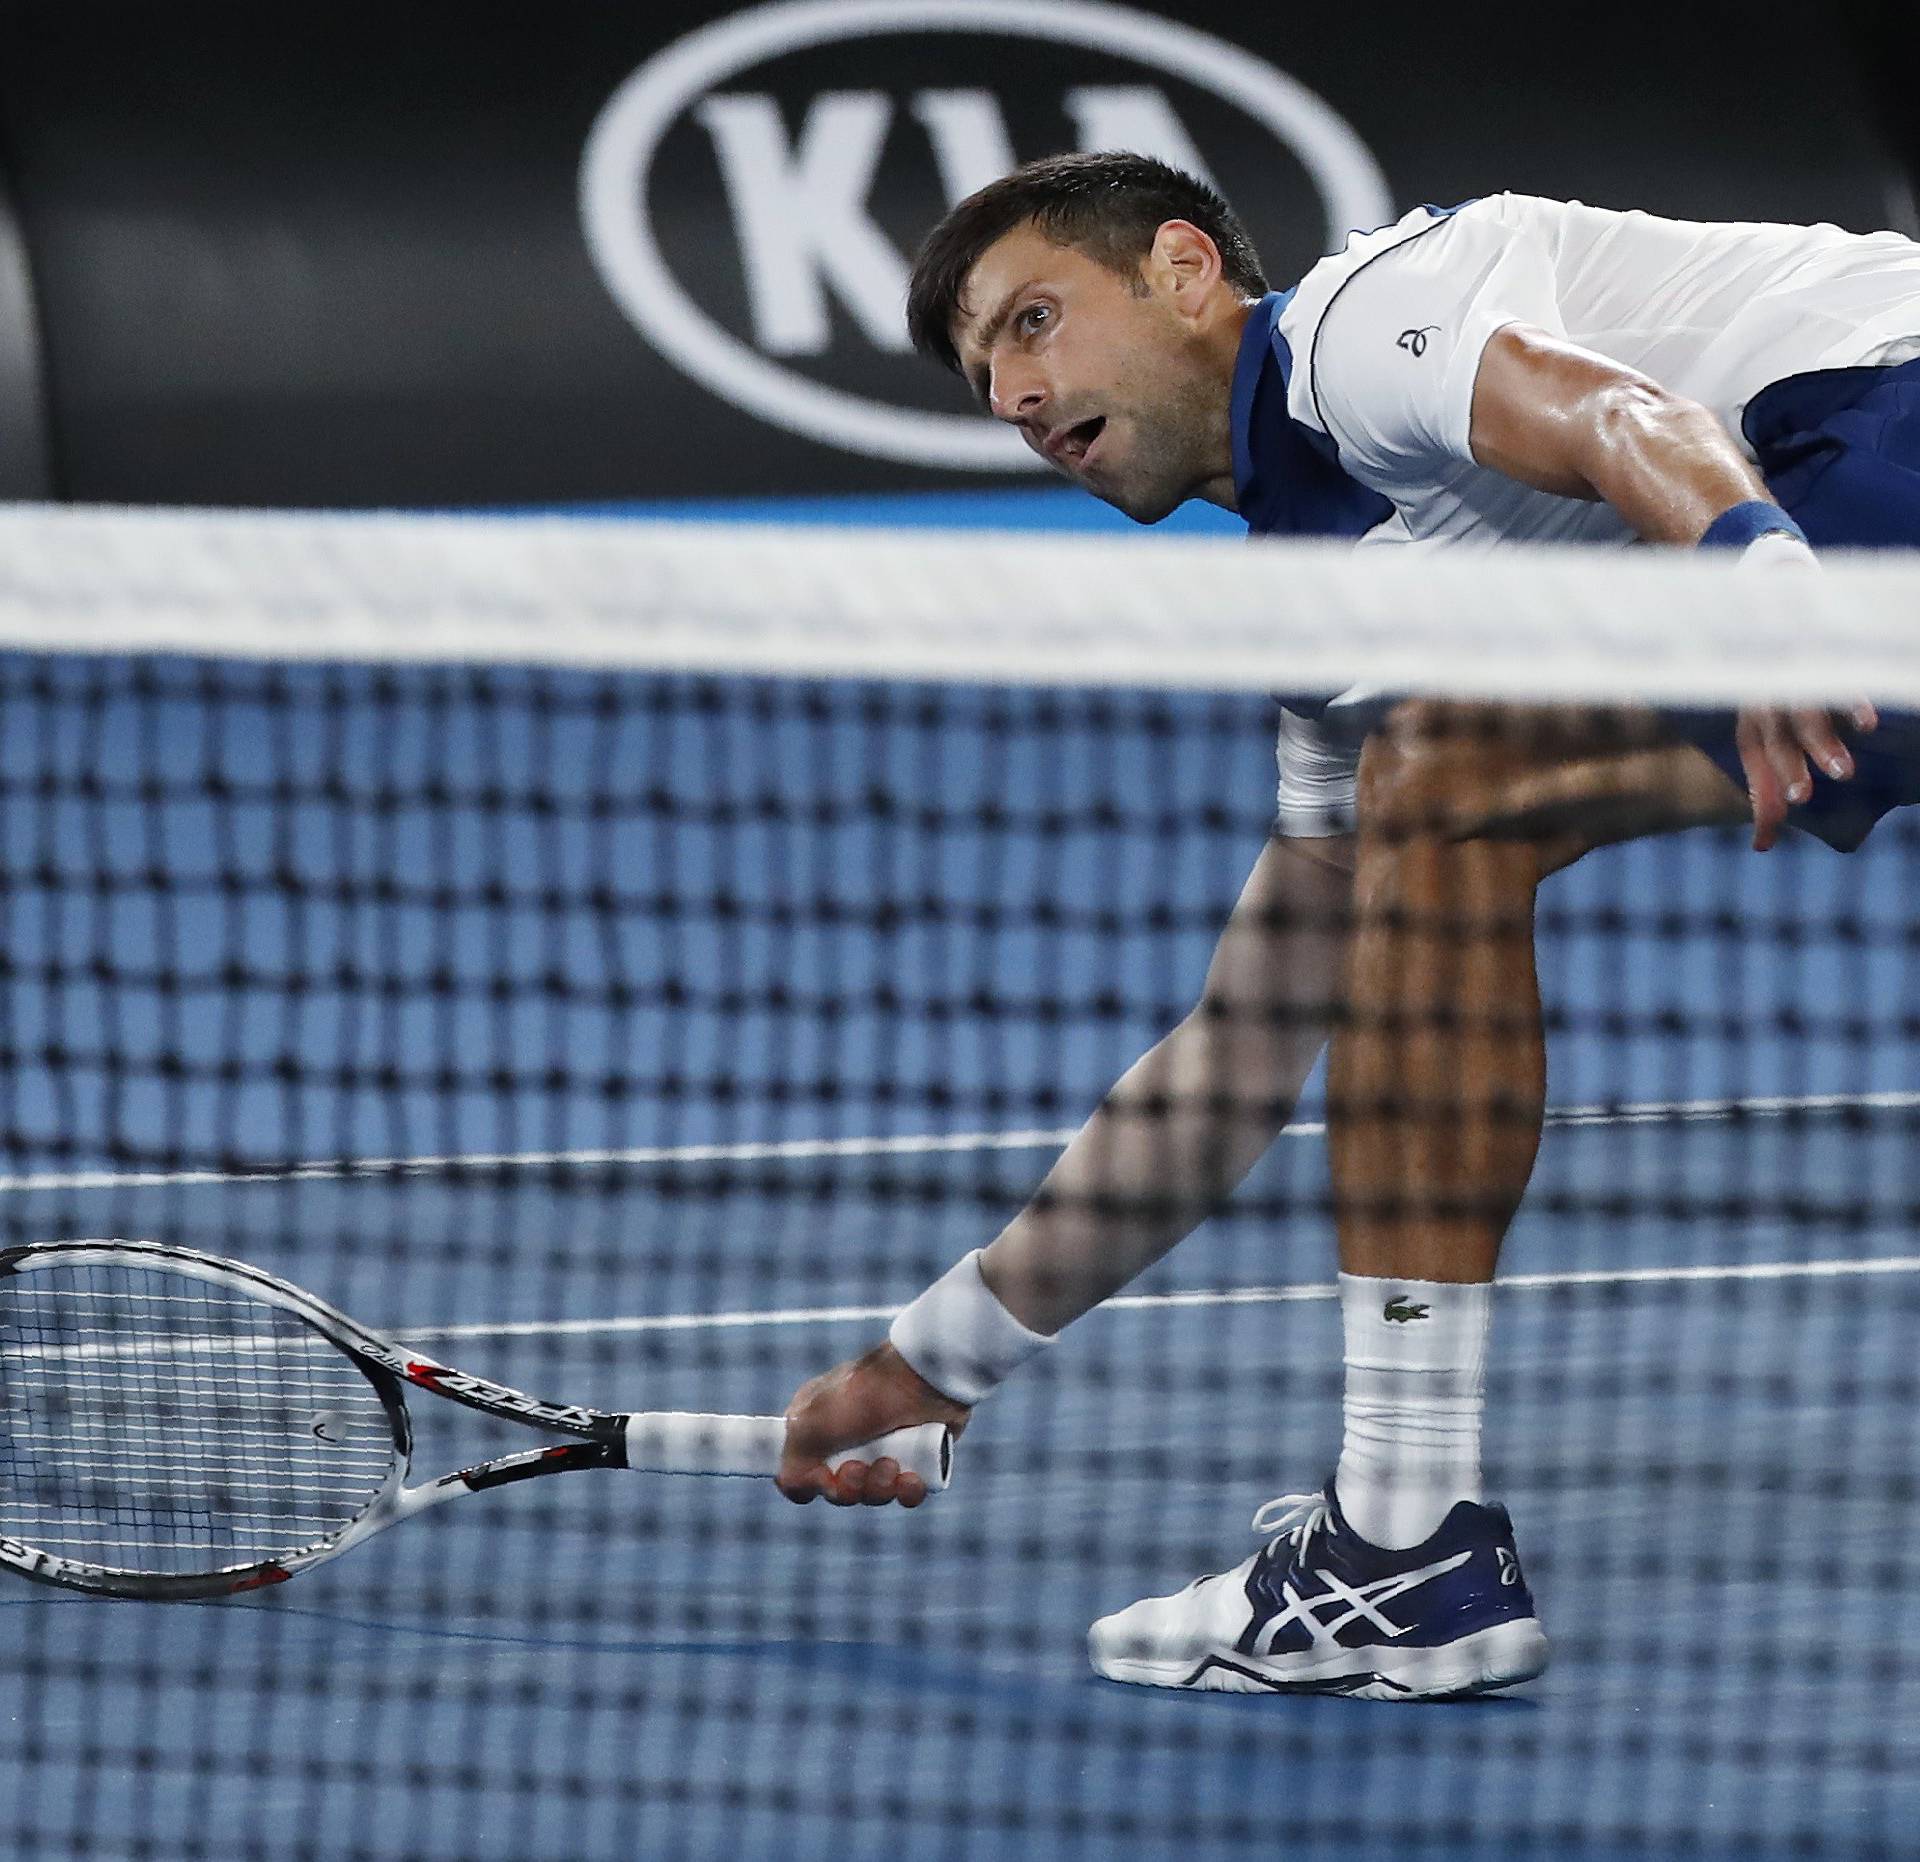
(1031, 319)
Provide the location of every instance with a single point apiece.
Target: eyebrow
(988, 334)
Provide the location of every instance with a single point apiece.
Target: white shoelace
(1293, 1516)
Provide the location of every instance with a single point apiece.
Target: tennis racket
(176, 1426)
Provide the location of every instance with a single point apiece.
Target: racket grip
(675, 1442)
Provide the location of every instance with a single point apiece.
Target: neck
(1220, 490)
(1223, 346)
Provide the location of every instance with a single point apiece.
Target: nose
(1015, 393)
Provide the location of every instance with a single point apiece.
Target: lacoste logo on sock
(1400, 1310)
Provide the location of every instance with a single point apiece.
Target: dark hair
(1108, 206)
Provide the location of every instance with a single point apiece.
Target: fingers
(853, 1483)
(800, 1480)
(1814, 733)
(859, 1402)
(1765, 788)
(1775, 748)
(1785, 759)
(875, 1483)
(888, 1482)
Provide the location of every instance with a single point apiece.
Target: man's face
(1115, 382)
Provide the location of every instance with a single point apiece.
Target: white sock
(1416, 1381)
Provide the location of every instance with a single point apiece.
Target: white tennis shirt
(1387, 336)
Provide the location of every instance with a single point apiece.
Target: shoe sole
(1502, 1656)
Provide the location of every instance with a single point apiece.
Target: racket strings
(168, 1425)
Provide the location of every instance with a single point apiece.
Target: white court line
(1647, 1112)
(1221, 1296)
(1150, 1302)
(350, 1168)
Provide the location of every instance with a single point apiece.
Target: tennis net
(631, 962)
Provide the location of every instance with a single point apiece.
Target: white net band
(1524, 625)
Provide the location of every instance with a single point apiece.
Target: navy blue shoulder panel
(1287, 478)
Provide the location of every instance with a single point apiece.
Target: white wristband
(1778, 550)
(960, 1338)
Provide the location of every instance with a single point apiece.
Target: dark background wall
(336, 256)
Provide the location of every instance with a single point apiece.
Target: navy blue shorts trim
(1840, 450)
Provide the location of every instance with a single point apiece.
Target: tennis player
(1513, 370)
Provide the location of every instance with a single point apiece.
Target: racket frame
(388, 1366)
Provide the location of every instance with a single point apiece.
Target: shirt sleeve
(1398, 348)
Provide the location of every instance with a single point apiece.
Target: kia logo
(800, 201)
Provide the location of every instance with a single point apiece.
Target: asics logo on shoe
(1401, 1310)
(1344, 1603)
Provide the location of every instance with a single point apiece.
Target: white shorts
(1319, 760)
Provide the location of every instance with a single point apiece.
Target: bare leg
(1438, 1072)
(1438, 1080)
(1440, 1077)
(1193, 1115)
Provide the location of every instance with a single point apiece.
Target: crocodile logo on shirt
(1415, 341)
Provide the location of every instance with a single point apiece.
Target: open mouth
(1078, 440)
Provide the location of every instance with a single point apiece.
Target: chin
(1145, 500)
(1143, 506)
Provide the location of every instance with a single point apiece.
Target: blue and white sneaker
(1321, 1611)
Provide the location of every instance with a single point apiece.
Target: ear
(1183, 265)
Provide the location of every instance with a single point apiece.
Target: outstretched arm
(1172, 1139)
(1192, 1116)
(1562, 419)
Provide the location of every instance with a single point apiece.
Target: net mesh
(633, 963)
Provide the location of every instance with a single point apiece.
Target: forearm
(1168, 1144)
(1674, 472)
(1565, 420)
(1182, 1127)
(1666, 464)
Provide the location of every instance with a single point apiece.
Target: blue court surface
(1702, 1401)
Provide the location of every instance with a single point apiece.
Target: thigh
(1569, 778)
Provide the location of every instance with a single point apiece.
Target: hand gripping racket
(174, 1426)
